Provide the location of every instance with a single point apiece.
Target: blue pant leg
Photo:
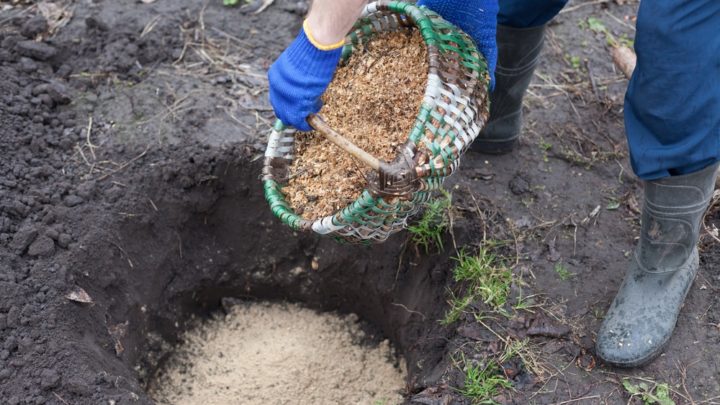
(672, 106)
(528, 13)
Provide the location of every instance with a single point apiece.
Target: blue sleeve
(478, 18)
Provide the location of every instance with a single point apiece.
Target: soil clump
(372, 101)
(262, 353)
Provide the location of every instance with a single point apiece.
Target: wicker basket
(454, 110)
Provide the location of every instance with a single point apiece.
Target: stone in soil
(36, 50)
(23, 238)
(34, 26)
(43, 246)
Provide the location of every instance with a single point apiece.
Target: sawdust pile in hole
(264, 353)
(373, 101)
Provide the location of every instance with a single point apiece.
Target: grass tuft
(487, 279)
(482, 383)
(429, 230)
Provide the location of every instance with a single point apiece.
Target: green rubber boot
(518, 55)
(642, 317)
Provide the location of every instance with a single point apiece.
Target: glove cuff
(318, 45)
(309, 59)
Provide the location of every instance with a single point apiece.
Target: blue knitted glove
(478, 18)
(299, 77)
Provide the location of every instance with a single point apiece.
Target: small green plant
(483, 383)
(563, 272)
(514, 348)
(523, 303)
(656, 394)
(545, 148)
(429, 230)
(486, 278)
(612, 205)
(457, 307)
(596, 25)
(573, 60)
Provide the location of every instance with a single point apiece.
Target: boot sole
(642, 362)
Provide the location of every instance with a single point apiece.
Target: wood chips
(372, 101)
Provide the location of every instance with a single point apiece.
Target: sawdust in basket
(372, 101)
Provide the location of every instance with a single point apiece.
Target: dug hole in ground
(131, 210)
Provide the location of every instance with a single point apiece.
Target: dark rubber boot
(642, 317)
(518, 54)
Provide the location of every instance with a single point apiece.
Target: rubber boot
(518, 55)
(642, 317)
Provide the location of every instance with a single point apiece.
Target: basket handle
(343, 143)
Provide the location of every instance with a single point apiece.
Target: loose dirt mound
(274, 353)
(373, 101)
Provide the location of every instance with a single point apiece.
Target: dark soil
(131, 141)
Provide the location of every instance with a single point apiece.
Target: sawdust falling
(372, 101)
(266, 353)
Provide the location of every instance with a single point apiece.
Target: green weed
(563, 272)
(429, 230)
(524, 303)
(596, 25)
(545, 148)
(457, 307)
(514, 348)
(483, 383)
(574, 61)
(656, 394)
(486, 278)
(612, 205)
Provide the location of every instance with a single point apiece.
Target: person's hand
(304, 70)
(478, 18)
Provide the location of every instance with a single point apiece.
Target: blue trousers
(672, 105)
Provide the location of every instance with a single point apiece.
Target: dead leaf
(633, 205)
(118, 332)
(543, 326)
(119, 348)
(79, 295)
(586, 361)
(625, 59)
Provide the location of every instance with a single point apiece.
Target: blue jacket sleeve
(478, 18)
